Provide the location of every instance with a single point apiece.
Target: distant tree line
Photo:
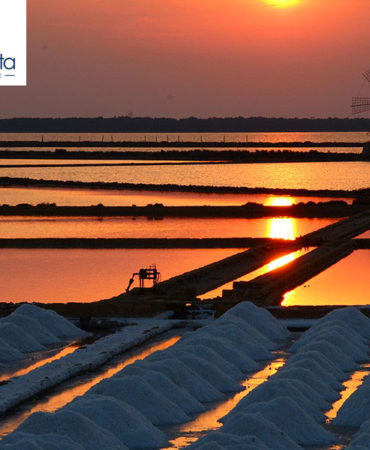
(185, 125)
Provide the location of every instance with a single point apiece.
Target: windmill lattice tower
(361, 104)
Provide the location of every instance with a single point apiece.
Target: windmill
(361, 104)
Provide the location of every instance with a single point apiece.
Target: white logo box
(13, 42)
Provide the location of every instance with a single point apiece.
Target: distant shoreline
(126, 124)
(190, 156)
(101, 185)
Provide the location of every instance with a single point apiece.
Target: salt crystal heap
(30, 329)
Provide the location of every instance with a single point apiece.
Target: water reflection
(350, 386)
(282, 228)
(280, 201)
(345, 283)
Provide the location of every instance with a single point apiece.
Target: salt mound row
(339, 326)
(263, 429)
(125, 422)
(204, 369)
(352, 318)
(240, 340)
(315, 367)
(185, 378)
(332, 353)
(215, 358)
(261, 319)
(143, 397)
(287, 415)
(356, 349)
(319, 358)
(247, 329)
(68, 425)
(275, 388)
(218, 439)
(223, 343)
(315, 382)
(163, 389)
(164, 385)
(361, 439)
(223, 347)
(29, 329)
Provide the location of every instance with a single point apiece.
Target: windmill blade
(360, 104)
(367, 75)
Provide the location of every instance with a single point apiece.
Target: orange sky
(192, 57)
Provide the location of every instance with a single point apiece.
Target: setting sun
(283, 3)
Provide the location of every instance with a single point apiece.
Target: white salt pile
(275, 388)
(186, 378)
(314, 367)
(321, 359)
(223, 347)
(216, 359)
(336, 338)
(263, 429)
(162, 384)
(287, 415)
(18, 338)
(55, 323)
(361, 439)
(68, 425)
(240, 340)
(125, 422)
(142, 396)
(332, 353)
(353, 318)
(313, 380)
(247, 329)
(261, 319)
(339, 326)
(9, 353)
(34, 328)
(205, 369)
(29, 329)
(219, 439)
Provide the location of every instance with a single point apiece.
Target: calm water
(345, 283)
(88, 275)
(189, 137)
(124, 227)
(87, 197)
(330, 175)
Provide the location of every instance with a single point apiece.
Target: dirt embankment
(332, 209)
(102, 185)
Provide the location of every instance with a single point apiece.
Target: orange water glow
(42, 362)
(209, 421)
(345, 283)
(58, 400)
(350, 386)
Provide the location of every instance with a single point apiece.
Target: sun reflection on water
(282, 228)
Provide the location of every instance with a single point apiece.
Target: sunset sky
(176, 58)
